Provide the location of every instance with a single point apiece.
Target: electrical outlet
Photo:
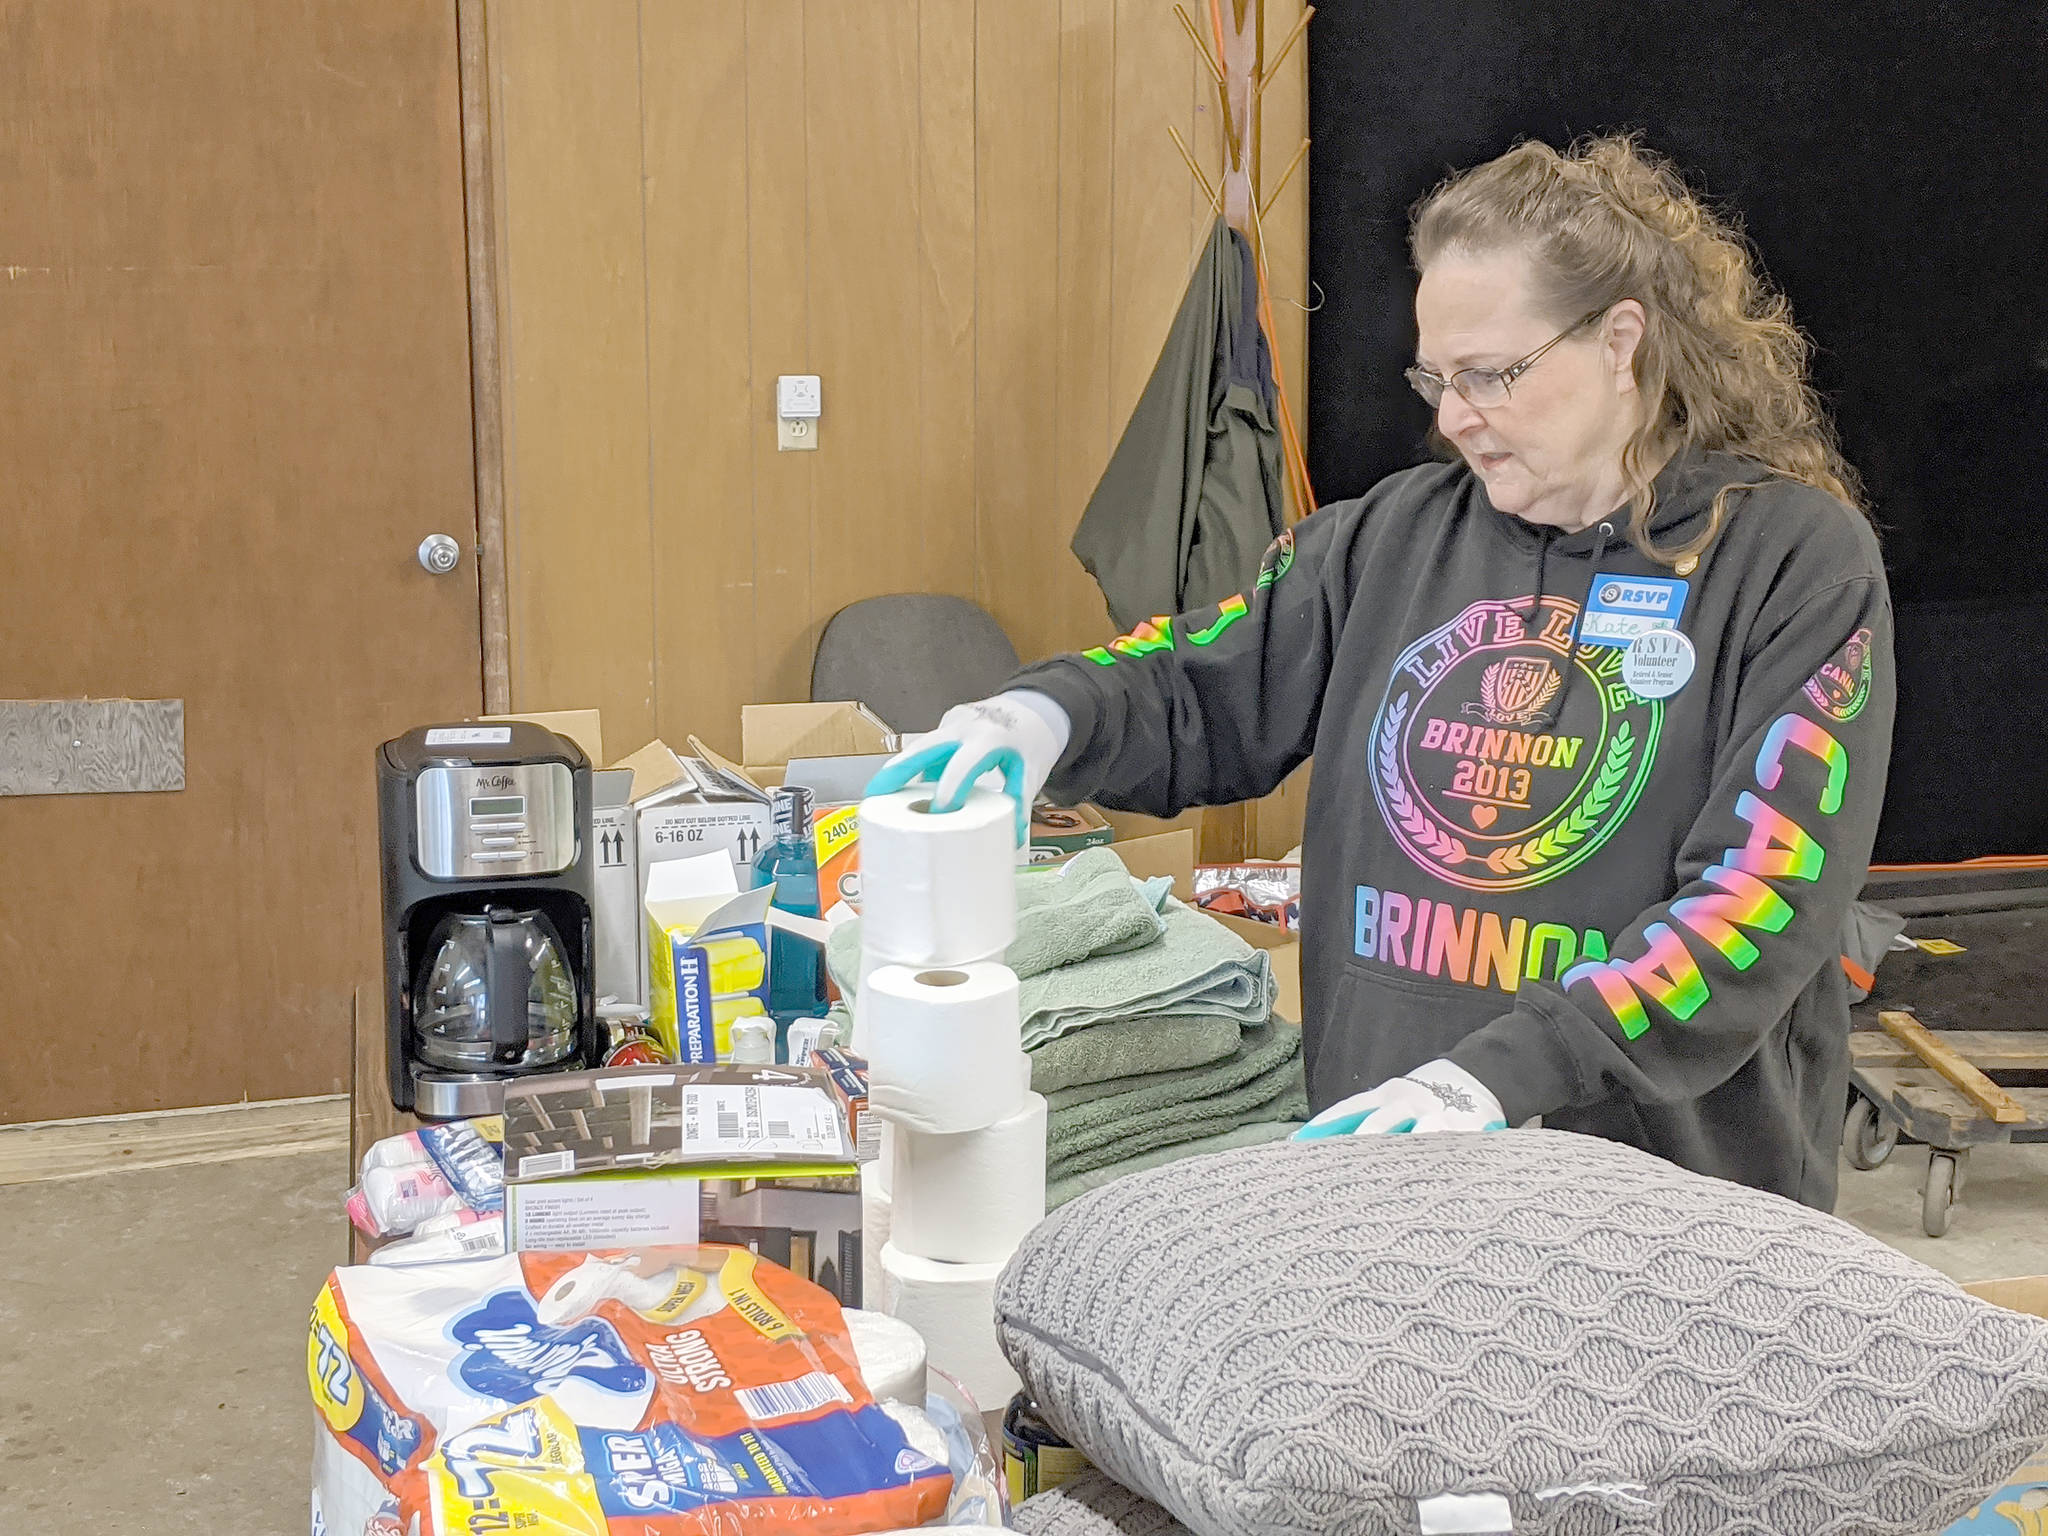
(799, 397)
(795, 436)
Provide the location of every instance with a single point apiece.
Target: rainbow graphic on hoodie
(1777, 848)
(1156, 634)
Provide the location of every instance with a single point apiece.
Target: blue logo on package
(515, 1357)
(1618, 608)
(838, 1454)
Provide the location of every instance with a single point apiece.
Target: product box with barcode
(707, 955)
(846, 1075)
(624, 1119)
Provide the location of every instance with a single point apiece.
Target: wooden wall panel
(573, 255)
(946, 268)
(1016, 239)
(861, 174)
(965, 215)
(778, 306)
(700, 463)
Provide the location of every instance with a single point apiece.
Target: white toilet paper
(943, 1047)
(937, 890)
(954, 1307)
(970, 1197)
(876, 1219)
(891, 1356)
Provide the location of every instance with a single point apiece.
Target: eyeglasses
(1485, 387)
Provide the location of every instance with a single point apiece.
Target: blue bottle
(795, 973)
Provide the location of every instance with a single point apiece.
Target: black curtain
(1890, 162)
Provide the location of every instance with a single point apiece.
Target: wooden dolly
(1935, 1088)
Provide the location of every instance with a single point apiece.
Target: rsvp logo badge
(1621, 607)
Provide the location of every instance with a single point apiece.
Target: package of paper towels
(891, 1355)
(944, 1047)
(937, 889)
(970, 1197)
(877, 1217)
(953, 1306)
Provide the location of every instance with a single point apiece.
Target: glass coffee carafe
(494, 994)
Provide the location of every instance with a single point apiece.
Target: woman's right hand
(1018, 735)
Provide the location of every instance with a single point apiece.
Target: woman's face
(1552, 452)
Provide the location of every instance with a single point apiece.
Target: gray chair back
(911, 656)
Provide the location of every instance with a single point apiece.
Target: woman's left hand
(1437, 1096)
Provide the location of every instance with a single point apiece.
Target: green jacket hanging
(1192, 496)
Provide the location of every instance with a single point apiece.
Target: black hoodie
(1619, 911)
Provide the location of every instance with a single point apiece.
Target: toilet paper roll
(954, 1307)
(877, 1216)
(943, 1045)
(937, 889)
(970, 1197)
(891, 1357)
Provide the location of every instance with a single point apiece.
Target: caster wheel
(1938, 1200)
(1867, 1136)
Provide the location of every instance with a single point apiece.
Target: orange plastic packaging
(651, 1393)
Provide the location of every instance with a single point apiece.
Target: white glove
(1437, 1096)
(1017, 736)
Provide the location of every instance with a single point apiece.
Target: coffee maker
(488, 955)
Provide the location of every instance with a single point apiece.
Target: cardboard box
(618, 930)
(773, 735)
(707, 955)
(685, 809)
(846, 1075)
(1058, 833)
(620, 1210)
(626, 1119)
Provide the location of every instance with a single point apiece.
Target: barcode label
(490, 1240)
(547, 1165)
(786, 1399)
(761, 1120)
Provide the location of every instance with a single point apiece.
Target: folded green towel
(1111, 1056)
(1258, 1132)
(1262, 1080)
(1200, 966)
(1087, 906)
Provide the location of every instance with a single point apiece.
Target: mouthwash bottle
(796, 986)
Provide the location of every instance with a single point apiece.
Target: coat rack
(1238, 67)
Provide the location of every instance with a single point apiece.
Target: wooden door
(234, 397)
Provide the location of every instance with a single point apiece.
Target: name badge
(1618, 608)
(1658, 663)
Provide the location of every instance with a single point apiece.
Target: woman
(1600, 710)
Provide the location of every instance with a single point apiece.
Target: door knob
(440, 554)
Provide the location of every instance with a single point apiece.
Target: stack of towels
(1149, 1026)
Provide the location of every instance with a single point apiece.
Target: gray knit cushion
(1091, 1505)
(1311, 1337)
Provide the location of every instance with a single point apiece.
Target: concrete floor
(153, 1325)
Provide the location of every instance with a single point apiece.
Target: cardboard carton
(617, 929)
(773, 735)
(806, 1220)
(1057, 833)
(707, 955)
(582, 726)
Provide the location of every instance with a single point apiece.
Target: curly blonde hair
(1721, 365)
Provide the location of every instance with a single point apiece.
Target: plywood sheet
(91, 746)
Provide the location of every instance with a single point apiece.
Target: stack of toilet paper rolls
(961, 1178)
